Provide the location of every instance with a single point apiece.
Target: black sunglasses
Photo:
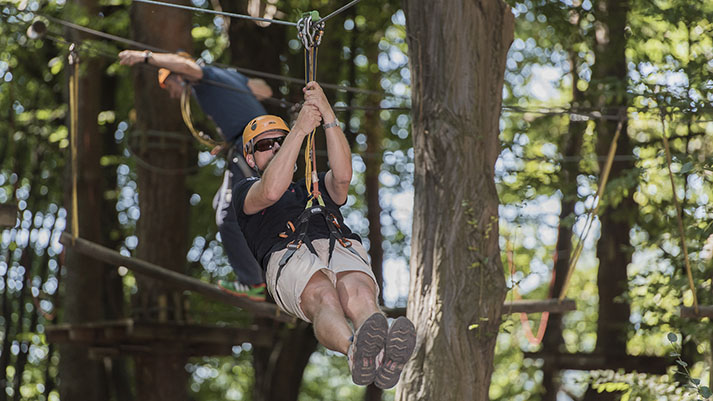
(266, 144)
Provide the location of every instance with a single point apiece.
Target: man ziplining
(315, 267)
(231, 105)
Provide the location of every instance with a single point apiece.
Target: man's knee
(359, 287)
(318, 293)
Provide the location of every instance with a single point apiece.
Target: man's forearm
(338, 152)
(278, 174)
(177, 64)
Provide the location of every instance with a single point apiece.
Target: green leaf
(672, 337)
(682, 363)
(696, 381)
(705, 391)
(686, 168)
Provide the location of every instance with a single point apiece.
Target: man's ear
(250, 160)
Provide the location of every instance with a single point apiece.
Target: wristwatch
(332, 124)
(147, 56)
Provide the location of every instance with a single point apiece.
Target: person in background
(231, 100)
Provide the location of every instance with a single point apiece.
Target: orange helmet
(261, 125)
(163, 74)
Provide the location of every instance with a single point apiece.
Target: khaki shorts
(304, 264)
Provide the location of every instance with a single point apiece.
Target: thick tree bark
(163, 198)
(83, 378)
(608, 93)
(457, 54)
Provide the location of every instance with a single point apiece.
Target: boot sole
(368, 342)
(400, 343)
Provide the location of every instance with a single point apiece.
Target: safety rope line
(73, 61)
(574, 258)
(310, 34)
(222, 13)
(200, 136)
(99, 33)
(346, 6)
(524, 321)
(679, 216)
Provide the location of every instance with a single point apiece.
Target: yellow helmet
(261, 125)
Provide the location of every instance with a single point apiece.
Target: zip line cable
(353, 2)
(222, 13)
(99, 33)
(247, 17)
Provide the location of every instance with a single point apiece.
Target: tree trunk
(162, 228)
(608, 93)
(261, 51)
(457, 54)
(83, 378)
(279, 369)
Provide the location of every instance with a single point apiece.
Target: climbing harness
(297, 233)
(310, 34)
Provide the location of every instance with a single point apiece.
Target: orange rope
(527, 327)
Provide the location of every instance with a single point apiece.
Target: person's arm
(259, 88)
(340, 156)
(178, 64)
(278, 175)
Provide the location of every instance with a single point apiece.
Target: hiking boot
(252, 292)
(400, 342)
(367, 342)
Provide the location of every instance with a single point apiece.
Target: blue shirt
(231, 110)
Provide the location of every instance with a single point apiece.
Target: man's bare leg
(320, 303)
(357, 295)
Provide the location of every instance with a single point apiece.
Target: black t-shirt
(262, 229)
